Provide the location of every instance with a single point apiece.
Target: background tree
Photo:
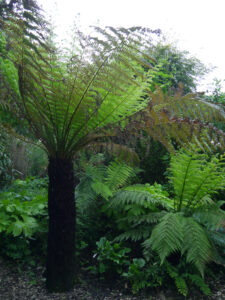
(175, 67)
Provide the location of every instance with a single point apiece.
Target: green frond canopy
(68, 97)
(75, 97)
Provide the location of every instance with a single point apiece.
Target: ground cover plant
(23, 224)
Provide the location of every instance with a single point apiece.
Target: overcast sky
(196, 25)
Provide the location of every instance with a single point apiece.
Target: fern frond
(186, 119)
(142, 195)
(181, 285)
(167, 236)
(84, 194)
(136, 234)
(217, 237)
(211, 216)
(195, 244)
(123, 152)
(199, 282)
(118, 175)
(150, 218)
(195, 178)
(179, 281)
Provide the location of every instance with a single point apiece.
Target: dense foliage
(116, 91)
(23, 225)
(175, 67)
(186, 221)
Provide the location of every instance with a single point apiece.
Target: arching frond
(150, 218)
(118, 174)
(69, 96)
(142, 195)
(196, 244)
(167, 236)
(195, 178)
(187, 120)
(211, 215)
(135, 234)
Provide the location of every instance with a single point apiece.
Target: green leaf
(16, 228)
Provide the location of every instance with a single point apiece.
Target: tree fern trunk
(62, 218)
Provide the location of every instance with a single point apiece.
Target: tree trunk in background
(62, 218)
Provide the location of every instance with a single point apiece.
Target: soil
(29, 284)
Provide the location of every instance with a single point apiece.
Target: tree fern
(174, 225)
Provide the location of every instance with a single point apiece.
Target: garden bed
(29, 285)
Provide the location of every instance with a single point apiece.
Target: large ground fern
(188, 223)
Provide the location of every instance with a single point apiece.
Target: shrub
(23, 219)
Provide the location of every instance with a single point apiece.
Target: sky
(194, 25)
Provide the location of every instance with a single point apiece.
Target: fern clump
(188, 223)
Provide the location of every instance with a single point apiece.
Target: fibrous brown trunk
(62, 218)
